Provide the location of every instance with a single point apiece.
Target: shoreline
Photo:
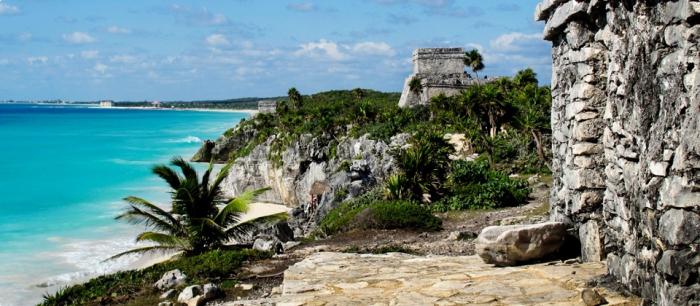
(211, 110)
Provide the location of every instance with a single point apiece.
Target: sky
(79, 50)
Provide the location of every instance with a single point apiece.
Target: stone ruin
(626, 143)
(267, 106)
(440, 71)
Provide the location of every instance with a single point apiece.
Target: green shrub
(122, 286)
(402, 215)
(474, 185)
(339, 218)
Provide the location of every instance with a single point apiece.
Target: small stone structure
(267, 106)
(106, 103)
(440, 71)
(626, 143)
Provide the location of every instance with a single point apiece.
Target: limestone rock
(168, 294)
(513, 244)
(189, 293)
(679, 226)
(591, 297)
(210, 291)
(268, 244)
(171, 279)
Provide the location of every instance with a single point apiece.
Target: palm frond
(168, 175)
(237, 206)
(243, 229)
(137, 216)
(154, 209)
(164, 240)
(143, 250)
(186, 168)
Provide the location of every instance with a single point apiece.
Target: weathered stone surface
(512, 244)
(189, 293)
(168, 294)
(637, 64)
(591, 297)
(171, 279)
(268, 244)
(679, 226)
(401, 279)
(440, 71)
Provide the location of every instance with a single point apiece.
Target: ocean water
(63, 173)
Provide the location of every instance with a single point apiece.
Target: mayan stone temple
(440, 71)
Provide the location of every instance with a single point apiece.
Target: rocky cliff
(625, 116)
(312, 175)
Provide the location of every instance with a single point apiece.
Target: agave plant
(201, 218)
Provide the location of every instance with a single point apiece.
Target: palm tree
(201, 219)
(295, 98)
(474, 60)
(532, 116)
(494, 105)
(415, 86)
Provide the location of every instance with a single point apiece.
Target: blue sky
(216, 49)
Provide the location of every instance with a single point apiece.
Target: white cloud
(89, 54)
(123, 59)
(100, 68)
(37, 60)
(217, 40)
(373, 48)
(302, 6)
(514, 41)
(25, 37)
(78, 38)
(6, 9)
(322, 48)
(4, 61)
(118, 30)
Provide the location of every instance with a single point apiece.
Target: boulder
(189, 293)
(268, 244)
(513, 244)
(210, 292)
(168, 294)
(171, 279)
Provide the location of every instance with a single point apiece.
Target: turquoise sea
(63, 172)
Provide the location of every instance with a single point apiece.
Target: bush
(474, 185)
(339, 218)
(122, 286)
(402, 215)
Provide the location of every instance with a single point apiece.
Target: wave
(121, 161)
(188, 139)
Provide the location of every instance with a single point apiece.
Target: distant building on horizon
(267, 106)
(156, 104)
(106, 103)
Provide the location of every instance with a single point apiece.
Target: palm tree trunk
(538, 144)
(492, 123)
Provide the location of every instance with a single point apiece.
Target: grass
(389, 248)
(135, 287)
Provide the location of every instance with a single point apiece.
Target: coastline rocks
(513, 244)
(171, 279)
(196, 295)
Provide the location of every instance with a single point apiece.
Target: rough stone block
(584, 178)
(512, 244)
(678, 226)
(658, 168)
(562, 15)
(589, 235)
(586, 148)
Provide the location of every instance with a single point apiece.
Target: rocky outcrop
(508, 245)
(313, 174)
(626, 143)
(232, 141)
(170, 280)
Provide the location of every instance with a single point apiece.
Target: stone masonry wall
(625, 116)
(440, 71)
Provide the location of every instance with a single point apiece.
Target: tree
(415, 86)
(358, 93)
(533, 114)
(201, 218)
(474, 60)
(295, 98)
(525, 77)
